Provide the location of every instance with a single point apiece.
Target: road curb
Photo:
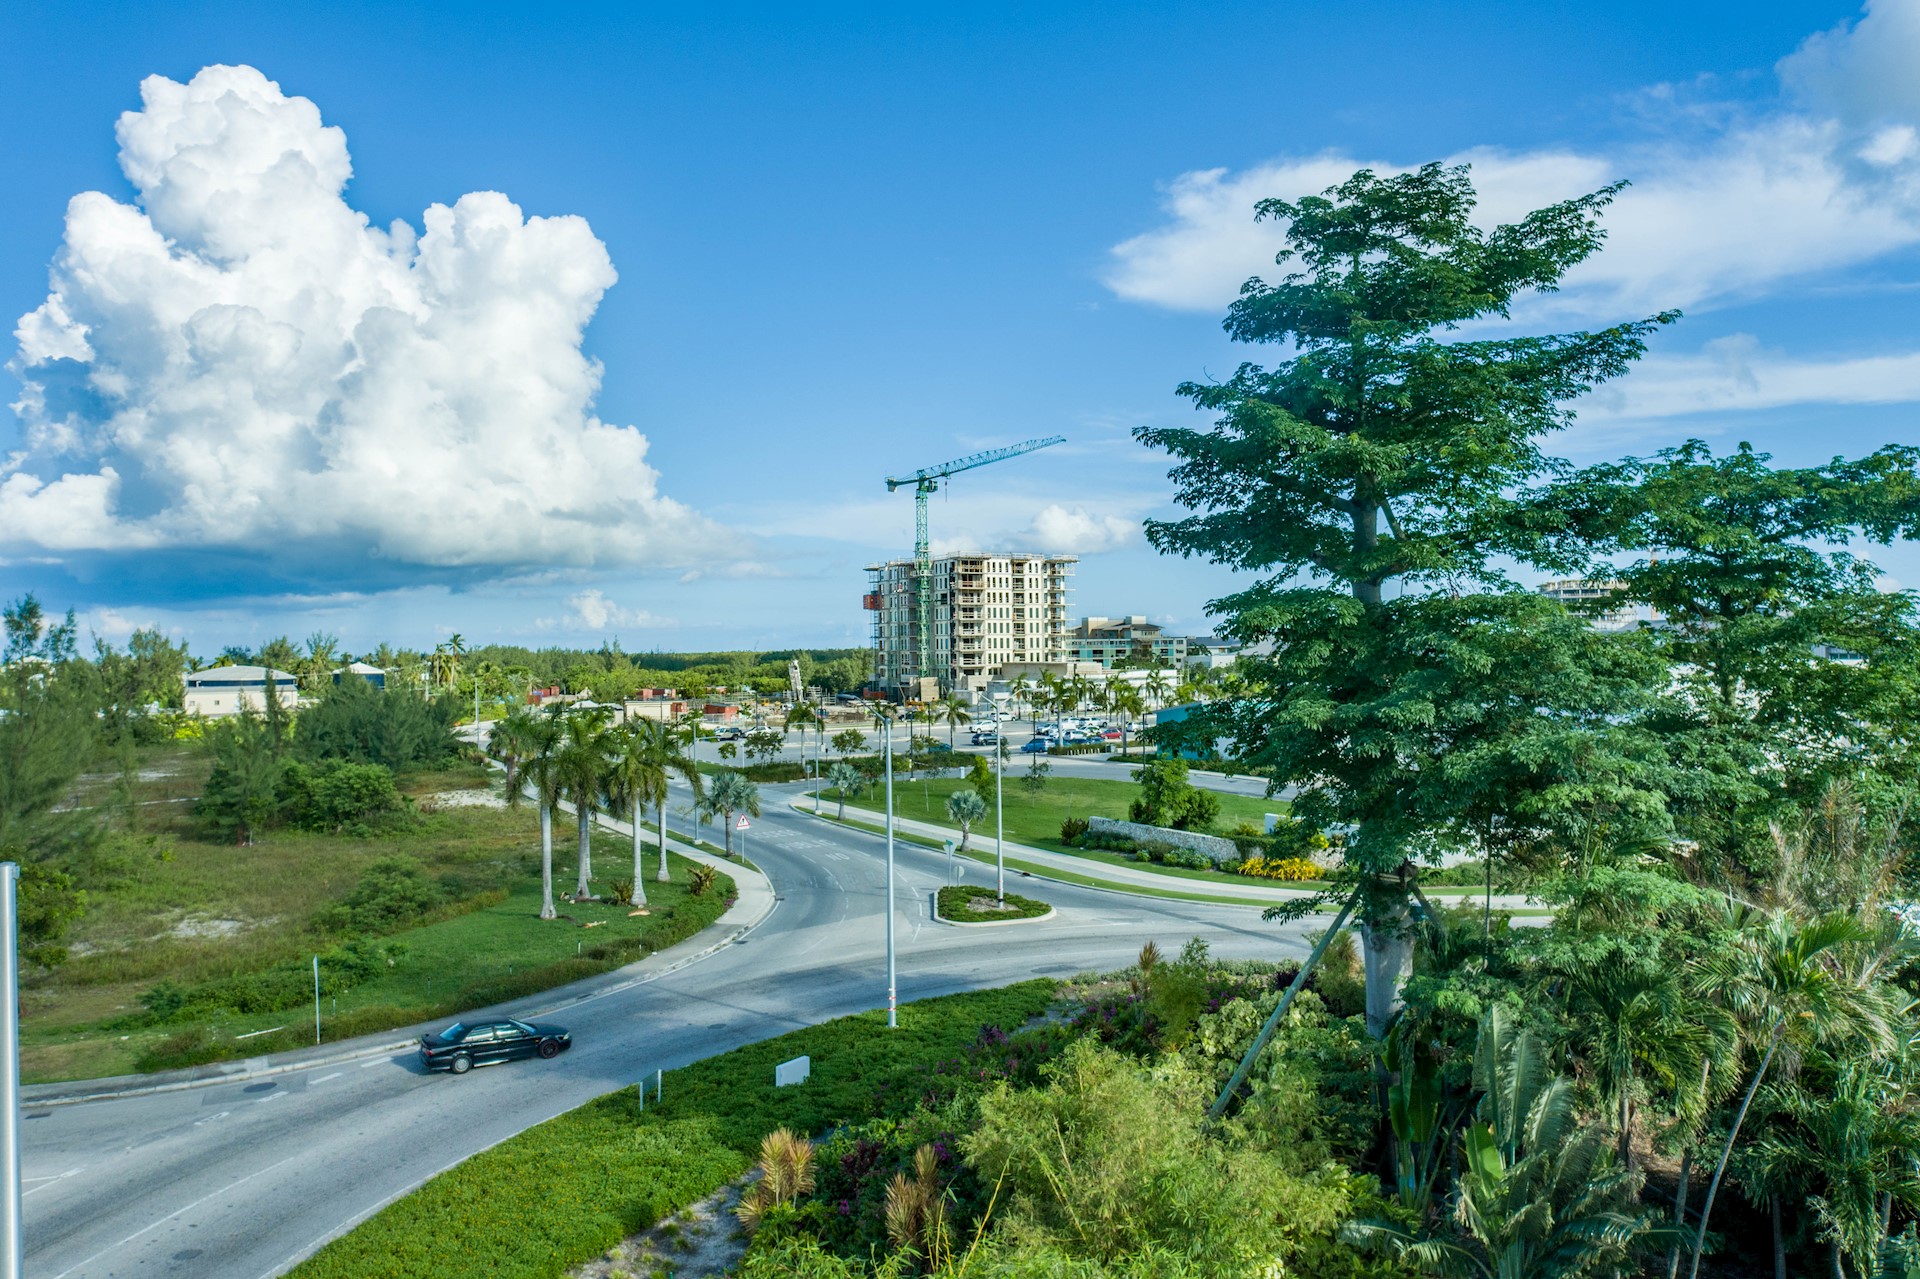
(112, 1089)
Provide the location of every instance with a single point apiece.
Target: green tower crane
(925, 481)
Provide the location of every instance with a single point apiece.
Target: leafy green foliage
(336, 795)
(1168, 799)
(958, 904)
(393, 892)
(355, 721)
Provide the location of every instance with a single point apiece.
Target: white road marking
(323, 1079)
(272, 1096)
(48, 1180)
(210, 1118)
(176, 1212)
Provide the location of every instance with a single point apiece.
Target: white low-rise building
(222, 690)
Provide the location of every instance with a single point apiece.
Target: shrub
(337, 795)
(622, 890)
(1167, 798)
(355, 721)
(1072, 829)
(700, 879)
(393, 893)
(1286, 868)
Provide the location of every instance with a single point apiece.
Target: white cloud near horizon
(238, 359)
(1724, 204)
(591, 610)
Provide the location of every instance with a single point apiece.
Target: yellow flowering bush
(1289, 868)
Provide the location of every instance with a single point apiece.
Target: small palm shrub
(786, 1176)
(622, 890)
(700, 879)
(1072, 829)
(917, 1211)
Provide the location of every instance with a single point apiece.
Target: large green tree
(1370, 481)
(1788, 663)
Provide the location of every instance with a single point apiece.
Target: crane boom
(925, 482)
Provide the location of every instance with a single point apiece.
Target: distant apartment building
(1134, 640)
(1583, 594)
(219, 691)
(984, 612)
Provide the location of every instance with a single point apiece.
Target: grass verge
(961, 905)
(570, 1189)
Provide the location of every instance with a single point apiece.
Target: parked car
(1111, 735)
(730, 735)
(460, 1047)
(1037, 746)
(985, 737)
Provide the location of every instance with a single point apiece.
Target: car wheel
(461, 1064)
(548, 1048)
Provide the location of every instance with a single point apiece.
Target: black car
(461, 1047)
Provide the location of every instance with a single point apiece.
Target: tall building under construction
(985, 611)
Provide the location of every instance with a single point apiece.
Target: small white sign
(740, 824)
(1273, 822)
(792, 1072)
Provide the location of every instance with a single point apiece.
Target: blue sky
(848, 241)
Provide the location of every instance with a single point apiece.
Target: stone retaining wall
(1221, 850)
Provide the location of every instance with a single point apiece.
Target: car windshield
(452, 1033)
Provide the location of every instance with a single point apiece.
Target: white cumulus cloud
(591, 610)
(238, 359)
(1075, 530)
(1725, 203)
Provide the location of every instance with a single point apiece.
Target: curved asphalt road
(241, 1180)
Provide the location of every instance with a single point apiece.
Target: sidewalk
(1251, 893)
(753, 903)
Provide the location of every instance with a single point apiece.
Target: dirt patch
(461, 799)
(704, 1241)
(197, 927)
(991, 906)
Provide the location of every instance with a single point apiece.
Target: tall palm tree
(1631, 1018)
(732, 793)
(583, 766)
(952, 711)
(539, 743)
(1793, 986)
(631, 779)
(1129, 706)
(1155, 688)
(658, 757)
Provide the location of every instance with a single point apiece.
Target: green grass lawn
(164, 903)
(1035, 819)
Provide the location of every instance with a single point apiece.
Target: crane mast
(926, 482)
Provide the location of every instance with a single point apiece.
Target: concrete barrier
(1221, 850)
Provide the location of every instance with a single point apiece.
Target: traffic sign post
(741, 826)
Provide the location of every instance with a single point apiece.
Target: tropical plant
(952, 711)
(848, 741)
(964, 808)
(583, 766)
(1538, 1195)
(730, 794)
(843, 777)
(786, 1175)
(916, 1212)
(1793, 986)
(700, 879)
(653, 758)
(537, 743)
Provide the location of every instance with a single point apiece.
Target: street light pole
(12, 1245)
(999, 813)
(892, 987)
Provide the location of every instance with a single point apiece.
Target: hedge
(956, 906)
(568, 1190)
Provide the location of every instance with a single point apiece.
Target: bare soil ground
(703, 1241)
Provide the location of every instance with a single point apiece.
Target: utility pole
(893, 991)
(999, 813)
(12, 1244)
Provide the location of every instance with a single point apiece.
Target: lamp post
(887, 764)
(12, 1245)
(999, 814)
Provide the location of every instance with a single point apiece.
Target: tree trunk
(1680, 1211)
(661, 808)
(1726, 1153)
(1779, 1239)
(546, 862)
(663, 845)
(726, 828)
(583, 888)
(1388, 955)
(639, 897)
(1833, 1255)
